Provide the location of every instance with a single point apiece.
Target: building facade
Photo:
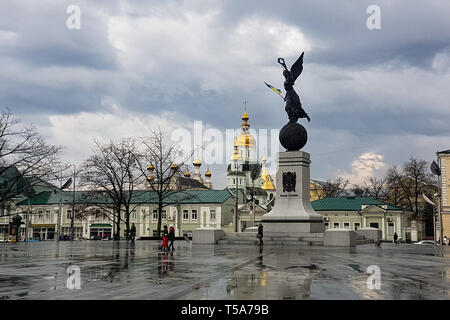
(201, 208)
(361, 212)
(444, 160)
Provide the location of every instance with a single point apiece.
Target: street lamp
(236, 158)
(62, 187)
(435, 168)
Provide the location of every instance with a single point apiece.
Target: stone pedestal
(207, 235)
(339, 238)
(292, 213)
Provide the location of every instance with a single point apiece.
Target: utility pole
(236, 202)
(60, 207)
(72, 218)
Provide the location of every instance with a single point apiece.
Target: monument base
(292, 213)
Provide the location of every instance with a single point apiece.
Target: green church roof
(348, 204)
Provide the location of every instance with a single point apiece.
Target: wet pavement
(120, 270)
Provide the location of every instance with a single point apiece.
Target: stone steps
(270, 243)
(306, 239)
(249, 238)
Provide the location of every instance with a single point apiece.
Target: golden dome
(245, 139)
(267, 180)
(245, 116)
(149, 178)
(197, 162)
(187, 173)
(208, 173)
(150, 167)
(236, 156)
(265, 176)
(174, 166)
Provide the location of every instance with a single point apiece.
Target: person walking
(260, 234)
(445, 241)
(165, 236)
(133, 232)
(395, 237)
(171, 237)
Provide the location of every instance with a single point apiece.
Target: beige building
(360, 212)
(185, 211)
(444, 159)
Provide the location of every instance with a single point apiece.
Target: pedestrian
(133, 232)
(378, 243)
(395, 237)
(260, 234)
(165, 236)
(165, 242)
(171, 238)
(445, 241)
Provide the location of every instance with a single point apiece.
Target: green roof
(444, 152)
(139, 196)
(348, 204)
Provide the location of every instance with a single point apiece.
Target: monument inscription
(289, 181)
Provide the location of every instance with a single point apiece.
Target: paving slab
(122, 270)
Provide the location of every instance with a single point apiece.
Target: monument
(292, 213)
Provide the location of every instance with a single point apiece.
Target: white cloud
(366, 165)
(77, 131)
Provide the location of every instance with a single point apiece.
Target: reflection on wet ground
(122, 270)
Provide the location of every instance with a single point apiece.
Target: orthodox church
(250, 176)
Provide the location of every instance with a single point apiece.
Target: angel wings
(296, 68)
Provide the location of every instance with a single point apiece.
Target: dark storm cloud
(199, 59)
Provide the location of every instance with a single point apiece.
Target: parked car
(426, 242)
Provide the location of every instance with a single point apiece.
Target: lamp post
(62, 187)
(436, 169)
(236, 157)
(150, 169)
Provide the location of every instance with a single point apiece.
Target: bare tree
(113, 178)
(334, 188)
(408, 184)
(26, 159)
(159, 162)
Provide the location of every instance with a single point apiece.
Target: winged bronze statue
(293, 105)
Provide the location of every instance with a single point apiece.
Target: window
(163, 215)
(155, 215)
(327, 225)
(47, 214)
(374, 225)
(347, 225)
(194, 215)
(40, 216)
(69, 214)
(356, 226)
(390, 228)
(212, 215)
(336, 224)
(185, 215)
(133, 214)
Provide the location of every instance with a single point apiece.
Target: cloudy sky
(375, 97)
